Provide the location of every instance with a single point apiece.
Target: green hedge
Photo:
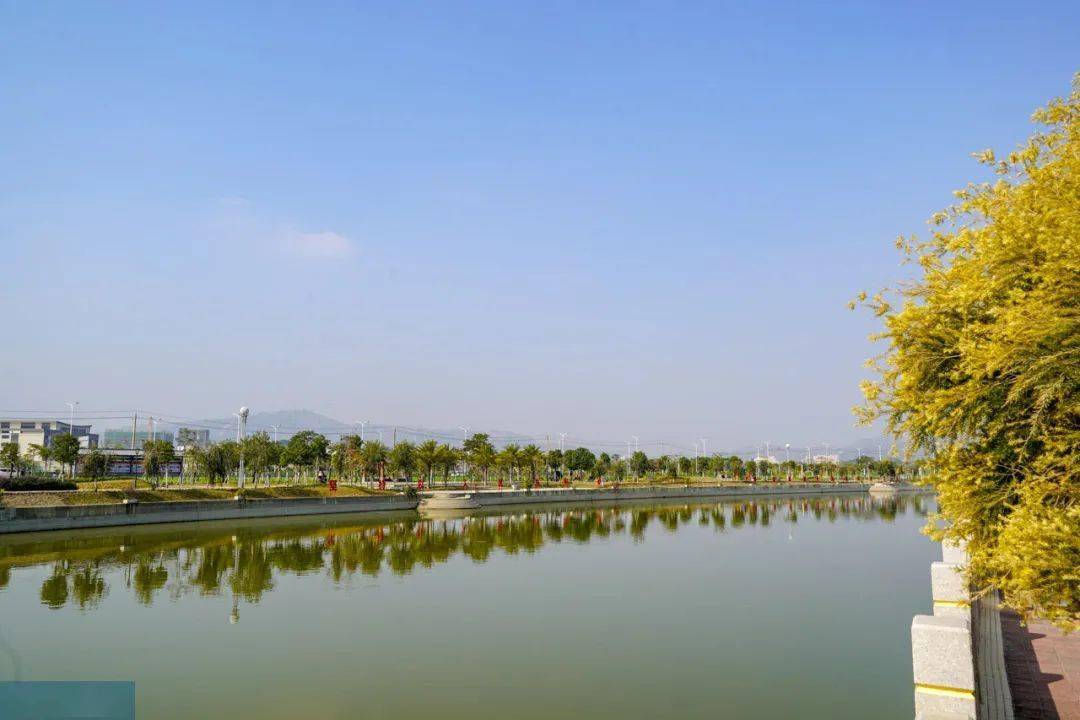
(16, 484)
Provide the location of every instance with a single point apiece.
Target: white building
(832, 459)
(41, 432)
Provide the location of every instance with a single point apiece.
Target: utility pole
(134, 426)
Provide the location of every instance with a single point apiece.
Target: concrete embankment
(495, 498)
(70, 517)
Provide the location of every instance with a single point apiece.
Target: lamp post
(241, 422)
(71, 423)
(362, 424)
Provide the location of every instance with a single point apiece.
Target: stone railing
(957, 659)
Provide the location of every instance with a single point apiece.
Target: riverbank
(73, 513)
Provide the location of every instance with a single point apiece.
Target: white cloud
(318, 244)
(237, 222)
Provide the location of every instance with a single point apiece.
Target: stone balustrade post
(943, 665)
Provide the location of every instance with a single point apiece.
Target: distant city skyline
(607, 220)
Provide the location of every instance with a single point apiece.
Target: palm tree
(427, 457)
(373, 456)
(510, 458)
(446, 458)
(532, 457)
(43, 453)
(483, 457)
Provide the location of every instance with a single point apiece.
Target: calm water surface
(792, 607)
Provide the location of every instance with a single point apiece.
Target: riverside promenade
(1043, 665)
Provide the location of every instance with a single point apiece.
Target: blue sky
(599, 218)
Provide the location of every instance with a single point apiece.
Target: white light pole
(636, 446)
(787, 451)
(153, 429)
(562, 440)
(362, 424)
(241, 421)
(464, 429)
(71, 423)
(275, 428)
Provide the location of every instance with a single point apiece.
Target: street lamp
(241, 423)
(362, 424)
(71, 423)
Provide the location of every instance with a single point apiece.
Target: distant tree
(554, 460)
(156, 455)
(308, 448)
(510, 459)
(43, 454)
(580, 460)
(427, 457)
(639, 463)
(9, 455)
(221, 459)
(260, 454)
(446, 459)
(403, 459)
(482, 457)
(96, 466)
(476, 441)
(65, 450)
(532, 458)
(373, 457)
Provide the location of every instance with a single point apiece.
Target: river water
(781, 608)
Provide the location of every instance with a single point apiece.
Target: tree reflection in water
(246, 561)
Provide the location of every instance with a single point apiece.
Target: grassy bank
(115, 495)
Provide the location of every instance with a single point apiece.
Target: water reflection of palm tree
(252, 558)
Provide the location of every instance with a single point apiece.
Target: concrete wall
(492, 498)
(67, 517)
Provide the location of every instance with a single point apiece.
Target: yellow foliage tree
(982, 368)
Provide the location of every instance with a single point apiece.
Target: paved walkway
(1044, 669)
